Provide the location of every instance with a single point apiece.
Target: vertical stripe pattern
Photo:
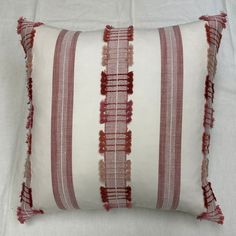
(170, 117)
(61, 120)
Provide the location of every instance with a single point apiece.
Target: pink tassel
(205, 143)
(208, 116)
(27, 36)
(214, 216)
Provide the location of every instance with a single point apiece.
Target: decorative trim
(26, 30)
(214, 27)
(62, 118)
(115, 114)
(170, 118)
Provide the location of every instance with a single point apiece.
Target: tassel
(29, 123)
(215, 216)
(221, 18)
(205, 143)
(26, 195)
(209, 196)
(106, 206)
(106, 35)
(25, 214)
(29, 88)
(108, 194)
(208, 116)
(130, 33)
(27, 31)
(209, 89)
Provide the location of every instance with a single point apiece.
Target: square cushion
(120, 117)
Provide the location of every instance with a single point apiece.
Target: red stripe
(54, 111)
(164, 97)
(62, 120)
(170, 118)
(179, 110)
(70, 121)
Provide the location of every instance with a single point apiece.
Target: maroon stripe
(170, 117)
(179, 110)
(54, 111)
(70, 120)
(164, 97)
(62, 120)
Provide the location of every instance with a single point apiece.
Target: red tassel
(106, 206)
(20, 24)
(27, 213)
(214, 27)
(29, 87)
(209, 89)
(208, 116)
(209, 196)
(26, 195)
(106, 35)
(205, 143)
(27, 36)
(30, 116)
(23, 23)
(130, 33)
(115, 193)
(221, 18)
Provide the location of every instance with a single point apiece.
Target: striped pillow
(118, 125)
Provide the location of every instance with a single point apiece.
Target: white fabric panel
(86, 124)
(145, 123)
(94, 14)
(195, 48)
(42, 70)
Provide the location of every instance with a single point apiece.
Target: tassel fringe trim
(214, 27)
(26, 30)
